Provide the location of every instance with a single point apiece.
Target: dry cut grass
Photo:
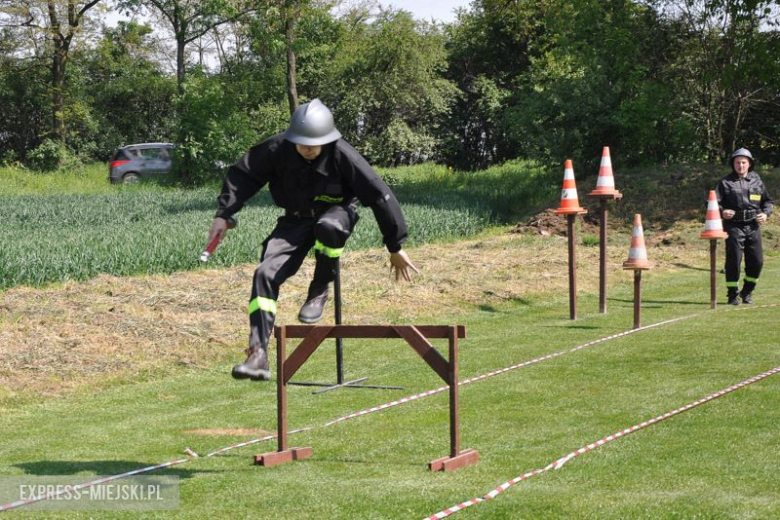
(77, 334)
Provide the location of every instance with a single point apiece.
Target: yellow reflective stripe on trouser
(732, 284)
(331, 252)
(262, 304)
(751, 279)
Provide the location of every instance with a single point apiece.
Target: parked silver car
(134, 162)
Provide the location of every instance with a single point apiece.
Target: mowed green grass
(716, 461)
(74, 225)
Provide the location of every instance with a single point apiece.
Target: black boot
(255, 367)
(733, 297)
(747, 297)
(311, 312)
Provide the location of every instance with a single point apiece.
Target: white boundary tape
(558, 464)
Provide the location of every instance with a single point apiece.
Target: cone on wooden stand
(713, 225)
(637, 255)
(605, 184)
(570, 202)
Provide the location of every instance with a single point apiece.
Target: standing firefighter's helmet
(742, 152)
(312, 125)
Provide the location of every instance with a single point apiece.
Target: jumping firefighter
(318, 179)
(744, 205)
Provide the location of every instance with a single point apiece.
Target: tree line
(657, 80)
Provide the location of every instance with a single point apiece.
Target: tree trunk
(58, 90)
(289, 36)
(180, 44)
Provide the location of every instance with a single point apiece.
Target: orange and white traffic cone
(637, 255)
(605, 185)
(713, 225)
(570, 202)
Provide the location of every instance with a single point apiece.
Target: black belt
(744, 215)
(309, 213)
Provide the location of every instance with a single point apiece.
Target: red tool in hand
(231, 222)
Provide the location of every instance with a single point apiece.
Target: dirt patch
(549, 223)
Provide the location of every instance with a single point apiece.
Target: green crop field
(51, 237)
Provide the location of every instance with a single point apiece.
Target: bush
(51, 155)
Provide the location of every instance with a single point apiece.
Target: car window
(154, 153)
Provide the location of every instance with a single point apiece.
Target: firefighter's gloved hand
(400, 262)
(218, 228)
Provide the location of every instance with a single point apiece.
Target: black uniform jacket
(338, 176)
(747, 197)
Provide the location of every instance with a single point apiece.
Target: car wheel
(131, 178)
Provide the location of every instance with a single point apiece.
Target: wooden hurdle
(416, 336)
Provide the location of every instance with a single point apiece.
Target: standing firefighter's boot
(311, 312)
(747, 297)
(733, 296)
(255, 367)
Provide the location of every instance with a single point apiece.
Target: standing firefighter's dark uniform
(320, 199)
(743, 193)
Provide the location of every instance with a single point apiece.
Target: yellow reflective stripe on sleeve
(331, 252)
(262, 304)
(327, 198)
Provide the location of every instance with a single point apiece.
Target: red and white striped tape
(558, 464)
(254, 441)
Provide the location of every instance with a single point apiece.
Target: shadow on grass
(686, 266)
(662, 302)
(98, 467)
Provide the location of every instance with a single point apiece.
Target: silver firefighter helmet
(312, 125)
(742, 152)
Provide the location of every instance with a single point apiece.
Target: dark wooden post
(604, 199)
(637, 298)
(572, 267)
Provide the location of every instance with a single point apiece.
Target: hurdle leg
(283, 454)
(457, 458)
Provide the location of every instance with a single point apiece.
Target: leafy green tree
(189, 20)
(386, 88)
(59, 22)
(128, 97)
(727, 72)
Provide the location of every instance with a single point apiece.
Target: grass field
(119, 410)
(716, 461)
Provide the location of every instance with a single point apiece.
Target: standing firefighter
(318, 179)
(744, 205)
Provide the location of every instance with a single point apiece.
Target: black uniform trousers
(744, 240)
(283, 253)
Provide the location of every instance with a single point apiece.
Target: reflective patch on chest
(755, 196)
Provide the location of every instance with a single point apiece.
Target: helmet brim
(333, 135)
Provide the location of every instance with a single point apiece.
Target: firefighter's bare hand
(401, 264)
(761, 218)
(728, 213)
(218, 228)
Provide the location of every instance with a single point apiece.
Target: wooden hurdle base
(274, 458)
(464, 458)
